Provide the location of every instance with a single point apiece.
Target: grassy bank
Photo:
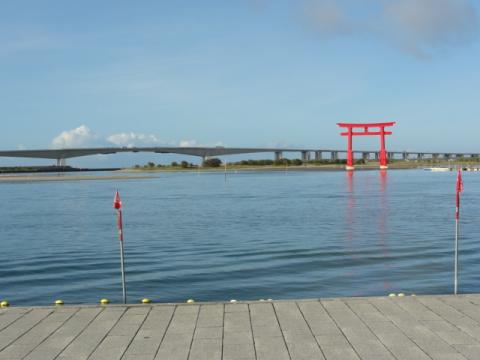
(397, 164)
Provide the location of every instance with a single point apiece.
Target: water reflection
(382, 223)
(355, 210)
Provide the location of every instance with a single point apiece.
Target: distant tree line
(286, 162)
(151, 165)
(215, 162)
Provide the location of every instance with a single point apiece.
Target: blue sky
(238, 73)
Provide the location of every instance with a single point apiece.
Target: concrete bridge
(60, 155)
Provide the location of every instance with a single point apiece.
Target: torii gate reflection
(366, 132)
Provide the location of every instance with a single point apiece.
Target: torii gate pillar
(366, 132)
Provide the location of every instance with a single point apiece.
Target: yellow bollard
(104, 301)
(391, 295)
(59, 302)
(146, 301)
(4, 303)
(190, 301)
(401, 295)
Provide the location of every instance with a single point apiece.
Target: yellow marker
(59, 302)
(4, 303)
(104, 301)
(392, 295)
(146, 301)
(190, 301)
(401, 294)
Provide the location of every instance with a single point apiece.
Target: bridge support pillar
(419, 156)
(377, 156)
(366, 156)
(405, 156)
(435, 157)
(318, 155)
(278, 155)
(204, 158)
(334, 155)
(305, 156)
(61, 162)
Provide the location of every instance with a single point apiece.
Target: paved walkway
(423, 327)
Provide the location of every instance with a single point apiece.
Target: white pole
(122, 255)
(124, 290)
(455, 284)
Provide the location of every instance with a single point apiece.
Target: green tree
(151, 164)
(174, 164)
(213, 162)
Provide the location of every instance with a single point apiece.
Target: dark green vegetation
(46, 169)
(216, 163)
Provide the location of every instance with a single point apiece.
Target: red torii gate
(366, 132)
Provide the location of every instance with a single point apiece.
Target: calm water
(256, 235)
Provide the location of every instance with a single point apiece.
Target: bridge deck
(423, 327)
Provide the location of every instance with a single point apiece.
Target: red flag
(459, 189)
(117, 203)
(459, 181)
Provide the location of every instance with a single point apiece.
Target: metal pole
(122, 256)
(455, 283)
(124, 290)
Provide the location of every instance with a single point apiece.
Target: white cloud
(188, 143)
(195, 143)
(78, 137)
(328, 17)
(420, 27)
(424, 24)
(131, 139)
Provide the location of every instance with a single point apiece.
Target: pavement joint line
(106, 334)
(310, 328)
(223, 330)
(459, 310)
(14, 321)
(339, 328)
(165, 332)
(136, 332)
(193, 333)
(251, 329)
(281, 331)
(371, 330)
(447, 321)
(403, 332)
(79, 334)
(26, 331)
(53, 332)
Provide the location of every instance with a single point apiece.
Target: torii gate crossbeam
(366, 132)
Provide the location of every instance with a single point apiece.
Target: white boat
(438, 169)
